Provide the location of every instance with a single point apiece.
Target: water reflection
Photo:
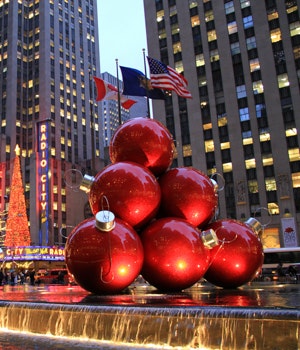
(251, 295)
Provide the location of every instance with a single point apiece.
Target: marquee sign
(34, 253)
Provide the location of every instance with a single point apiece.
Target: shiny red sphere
(189, 194)
(144, 141)
(175, 257)
(132, 191)
(104, 262)
(238, 258)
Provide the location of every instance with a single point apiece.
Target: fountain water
(205, 327)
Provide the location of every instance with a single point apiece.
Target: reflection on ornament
(189, 194)
(174, 255)
(104, 261)
(132, 191)
(238, 258)
(144, 141)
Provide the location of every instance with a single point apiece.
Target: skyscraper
(48, 55)
(242, 62)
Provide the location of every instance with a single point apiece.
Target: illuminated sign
(43, 181)
(35, 253)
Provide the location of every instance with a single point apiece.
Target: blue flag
(135, 83)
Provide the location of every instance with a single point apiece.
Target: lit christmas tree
(17, 231)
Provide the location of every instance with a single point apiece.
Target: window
(254, 65)
(232, 27)
(195, 21)
(235, 48)
(275, 35)
(211, 35)
(209, 16)
(283, 80)
(295, 28)
(244, 114)
(229, 7)
(251, 43)
(248, 22)
(200, 60)
(241, 91)
(257, 87)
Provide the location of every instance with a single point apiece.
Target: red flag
(167, 78)
(106, 91)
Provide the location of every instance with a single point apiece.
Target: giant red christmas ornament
(132, 192)
(238, 258)
(144, 141)
(104, 256)
(174, 255)
(189, 194)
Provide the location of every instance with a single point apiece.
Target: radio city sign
(43, 167)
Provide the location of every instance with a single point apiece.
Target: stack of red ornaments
(163, 223)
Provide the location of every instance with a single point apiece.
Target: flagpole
(119, 97)
(147, 95)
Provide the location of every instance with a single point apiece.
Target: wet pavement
(260, 294)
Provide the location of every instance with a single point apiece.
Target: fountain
(256, 316)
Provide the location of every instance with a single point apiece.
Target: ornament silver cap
(255, 225)
(86, 183)
(105, 220)
(215, 184)
(209, 238)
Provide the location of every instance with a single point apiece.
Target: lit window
(209, 146)
(195, 21)
(250, 163)
(244, 114)
(273, 15)
(214, 55)
(235, 48)
(200, 60)
(227, 167)
(176, 47)
(273, 208)
(225, 145)
(270, 184)
(296, 180)
(232, 27)
(257, 87)
(193, 3)
(267, 160)
(251, 43)
(283, 80)
(241, 91)
(209, 16)
(202, 80)
(254, 65)
(229, 7)
(248, 22)
(295, 28)
(160, 15)
(294, 154)
(253, 186)
(275, 35)
(211, 35)
(244, 3)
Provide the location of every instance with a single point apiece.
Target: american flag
(166, 78)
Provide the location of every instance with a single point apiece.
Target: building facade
(242, 62)
(48, 55)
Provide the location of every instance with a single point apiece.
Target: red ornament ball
(238, 258)
(189, 194)
(144, 141)
(175, 257)
(132, 192)
(104, 262)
